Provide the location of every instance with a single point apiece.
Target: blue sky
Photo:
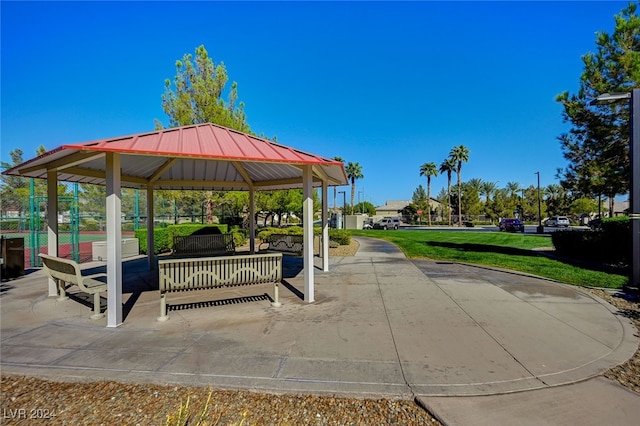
(388, 85)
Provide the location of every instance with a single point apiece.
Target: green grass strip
(497, 249)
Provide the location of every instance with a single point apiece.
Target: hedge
(163, 237)
(340, 236)
(611, 244)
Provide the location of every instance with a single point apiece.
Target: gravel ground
(28, 401)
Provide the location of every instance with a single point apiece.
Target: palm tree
(475, 184)
(459, 154)
(487, 189)
(448, 166)
(428, 170)
(512, 189)
(354, 171)
(335, 189)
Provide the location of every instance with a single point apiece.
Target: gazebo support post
(151, 257)
(324, 242)
(252, 222)
(52, 222)
(114, 240)
(307, 226)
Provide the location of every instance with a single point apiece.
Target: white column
(324, 248)
(151, 258)
(307, 218)
(52, 222)
(114, 241)
(252, 222)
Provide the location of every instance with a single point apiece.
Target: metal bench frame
(64, 271)
(284, 243)
(215, 272)
(203, 245)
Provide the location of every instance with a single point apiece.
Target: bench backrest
(222, 271)
(62, 269)
(203, 245)
(286, 243)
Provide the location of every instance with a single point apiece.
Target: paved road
(528, 229)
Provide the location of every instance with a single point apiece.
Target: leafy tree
(459, 154)
(583, 205)
(419, 198)
(15, 190)
(196, 94)
(471, 197)
(448, 166)
(366, 207)
(429, 170)
(597, 145)
(354, 171)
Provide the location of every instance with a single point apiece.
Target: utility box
(12, 258)
(355, 221)
(129, 248)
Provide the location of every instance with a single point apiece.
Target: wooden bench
(203, 245)
(284, 243)
(215, 272)
(64, 271)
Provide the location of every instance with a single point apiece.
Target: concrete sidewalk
(472, 344)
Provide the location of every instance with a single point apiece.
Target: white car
(387, 223)
(558, 221)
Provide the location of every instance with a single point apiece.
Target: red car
(511, 225)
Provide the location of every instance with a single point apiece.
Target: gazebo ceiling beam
(99, 174)
(243, 172)
(65, 162)
(317, 171)
(203, 183)
(280, 182)
(160, 170)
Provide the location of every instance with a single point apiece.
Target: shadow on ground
(512, 251)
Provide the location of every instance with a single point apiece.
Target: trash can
(12, 257)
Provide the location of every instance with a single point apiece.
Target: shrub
(89, 224)
(611, 244)
(162, 240)
(239, 237)
(341, 236)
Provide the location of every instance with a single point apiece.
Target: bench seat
(187, 274)
(284, 243)
(64, 271)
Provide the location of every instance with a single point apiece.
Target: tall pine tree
(597, 145)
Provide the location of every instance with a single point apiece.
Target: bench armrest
(94, 276)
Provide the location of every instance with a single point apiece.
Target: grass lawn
(499, 249)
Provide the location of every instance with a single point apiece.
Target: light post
(344, 208)
(361, 203)
(634, 183)
(540, 228)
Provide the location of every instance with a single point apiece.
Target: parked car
(511, 225)
(387, 223)
(558, 221)
(595, 224)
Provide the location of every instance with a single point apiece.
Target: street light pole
(540, 228)
(344, 208)
(634, 183)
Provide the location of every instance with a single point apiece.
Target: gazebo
(195, 157)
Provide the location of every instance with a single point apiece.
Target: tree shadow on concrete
(513, 251)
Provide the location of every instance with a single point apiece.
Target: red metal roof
(204, 156)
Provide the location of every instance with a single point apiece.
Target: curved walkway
(381, 325)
